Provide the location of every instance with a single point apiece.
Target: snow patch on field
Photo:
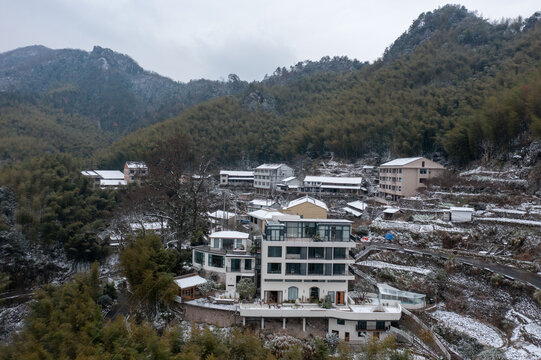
(482, 333)
(525, 352)
(414, 228)
(381, 264)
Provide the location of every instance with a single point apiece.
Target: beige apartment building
(405, 176)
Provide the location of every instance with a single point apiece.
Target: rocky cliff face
(26, 264)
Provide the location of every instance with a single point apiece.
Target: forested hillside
(87, 99)
(453, 86)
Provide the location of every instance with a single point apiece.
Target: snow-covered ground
(205, 303)
(512, 221)
(381, 264)
(482, 333)
(414, 228)
(526, 337)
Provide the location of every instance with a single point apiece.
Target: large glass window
(248, 264)
(216, 261)
(235, 264)
(199, 258)
(339, 269)
(274, 268)
(275, 251)
(334, 232)
(339, 253)
(227, 244)
(274, 233)
(315, 269)
(292, 293)
(294, 269)
(315, 253)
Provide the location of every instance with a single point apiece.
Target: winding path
(509, 272)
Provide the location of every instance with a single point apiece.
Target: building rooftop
(190, 281)
(104, 174)
(330, 221)
(334, 179)
(391, 210)
(112, 182)
(468, 209)
(229, 235)
(306, 199)
(263, 214)
(401, 161)
(358, 205)
(236, 173)
(262, 202)
(269, 166)
(220, 214)
(289, 179)
(136, 165)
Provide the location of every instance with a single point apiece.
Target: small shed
(390, 213)
(187, 284)
(461, 214)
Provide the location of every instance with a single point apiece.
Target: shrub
(246, 289)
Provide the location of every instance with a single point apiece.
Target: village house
(134, 171)
(228, 255)
(267, 176)
(404, 177)
(332, 184)
(306, 207)
(236, 178)
(257, 204)
(188, 286)
(106, 179)
(355, 208)
(304, 262)
(289, 184)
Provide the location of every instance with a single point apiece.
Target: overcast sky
(211, 39)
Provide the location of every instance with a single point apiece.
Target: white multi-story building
(228, 256)
(267, 176)
(236, 178)
(333, 184)
(303, 262)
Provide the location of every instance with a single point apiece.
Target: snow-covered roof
(220, 214)
(155, 225)
(359, 205)
(340, 187)
(331, 221)
(89, 173)
(288, 179)
(306, 199)
(334, 180)
(391, 210)
(236, 173)
(109, 174)
(352, 211)
(112, 182)
(136, 165)
(229, 235)
(401, 161)
(264, 214)
(191, 281)
(368, 167)
(262, 202)
(269, 166)
(243, 178)
(466, 209)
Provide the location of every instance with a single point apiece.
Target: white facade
(461, 214)
(306, 260)
(228, 255)
(267, 176)
(236, 178)
(331, 184)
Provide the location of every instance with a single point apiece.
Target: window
(399, 179)
(274, 233)
(315, 269)
(331, 294)
(227, 244)
(235, 264)
(400, 171)
(423, 164)
(339, 269)
(380, 325)
(315, 253)
(422, 171)
(274, 268)
(199, 258)
(341, 321)
(339, 253)
(275, 251)
(400, 188)
(248, 264)
(292, 293)
(290, 250)
(216, 261)
(216, 243)
(361, 325)
(295, 269)
(422, 181)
